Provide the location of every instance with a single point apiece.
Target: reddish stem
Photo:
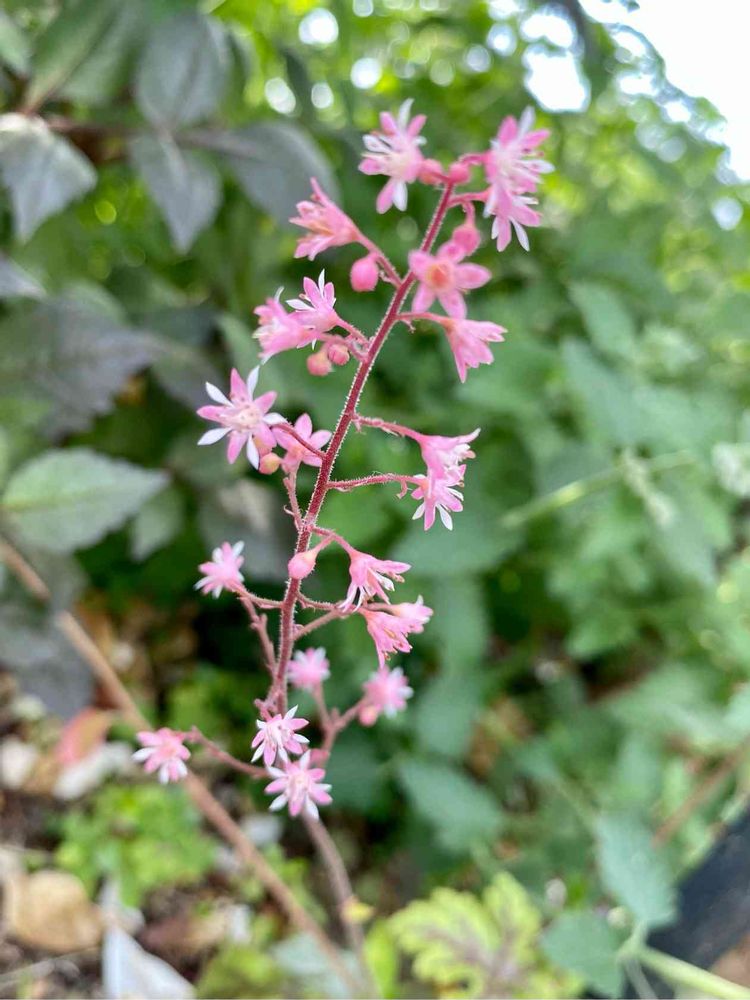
(344, 485)
(286, 629)
(288, 429)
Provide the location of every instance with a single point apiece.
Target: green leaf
(608, 322)
(157, 523)
(184, 184)
(584, 943)
(15, 48)
(273, 163)
(44, 662)
(42, 171)
(72, 356)
(105, 70)
(182, 73)
(17, 283)
(446, 713)
(66, 500)
(70, 40)
(462, 811)
(455, 940)
(633, 870)
(606, 396)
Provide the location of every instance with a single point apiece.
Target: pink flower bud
(364, 274)
(458, 173)
(338, 354)
(269, 463)
(431, 172)
(318, 363)
(466, 236)
(302, 564)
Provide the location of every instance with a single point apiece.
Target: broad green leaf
(184, 184)
(606, 396)
(43, 172)
(273, 163)
(633, 870)
(66, 500)
(462, 811)
(17, 283)
(182, 72)
(157, 523)
(72, 357)
(77, 32)
(584, 943)
(608, 322)
(45, 664)
(15, 48)
(105, 70)
(445, 712)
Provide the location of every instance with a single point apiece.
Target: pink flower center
(439, 275)
(245, 417)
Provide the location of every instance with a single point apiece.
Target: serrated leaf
(184, 184)
(446, 713)
(273, 163)
(66, 500)
(43, 172)
(608, 322)
(157, 523)
(182, 72)
(461, 811)
(70, 39)
(633, 870)
(607, 397)
(15, 48)
(456, 940)
(17, 283)
(584, 943)
(72, 356)
(105, 70)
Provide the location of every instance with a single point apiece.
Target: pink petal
(472, 275)
(423, 299)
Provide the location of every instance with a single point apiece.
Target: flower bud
(458, 173)
(318, 363)
(368, 715)
(364, 274)
(302, 564)
(466, 236)
(269, 463)
(431, 172)
(338, 354)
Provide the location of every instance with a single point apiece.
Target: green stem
(580, 488)
(680, 973)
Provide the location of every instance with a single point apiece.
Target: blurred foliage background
(588, 660)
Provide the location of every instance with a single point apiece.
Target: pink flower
(445, 456)
(513, 172)
(308, 669)
(328, 226)
(439, 494)
(279, 330)
(314, 308)
(246, 420)
(394, 152)
(296, 453)
(163, 750)
(364, 274)
(277, 736)
(386, 692)
(300, 786)
(468, 340)
(371, 577)
(223, 571)
(443, 277)
(390, 628)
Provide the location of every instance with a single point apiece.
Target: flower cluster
(438, 278)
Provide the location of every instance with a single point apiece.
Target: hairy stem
(209, 806)
(277, 694)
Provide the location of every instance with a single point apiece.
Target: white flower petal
(252, 380)
(216, 394)
(214, 435)
(253, 455)
(278, 803)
